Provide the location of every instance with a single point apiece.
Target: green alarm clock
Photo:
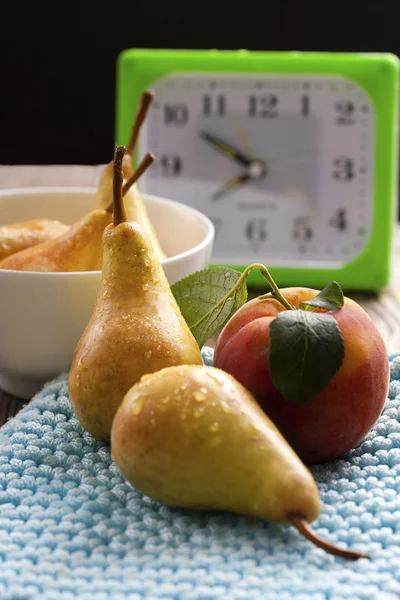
(292, 155)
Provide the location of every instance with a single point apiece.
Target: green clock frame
(376, 73)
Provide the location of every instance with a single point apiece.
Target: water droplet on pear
(138, 404)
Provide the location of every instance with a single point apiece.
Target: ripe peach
(340, 416)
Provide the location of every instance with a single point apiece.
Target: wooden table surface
(383, 307)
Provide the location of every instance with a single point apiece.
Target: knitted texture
(72, 527)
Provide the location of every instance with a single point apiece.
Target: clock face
(282, 165)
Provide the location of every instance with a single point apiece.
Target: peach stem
(305, 529)
(275, 290)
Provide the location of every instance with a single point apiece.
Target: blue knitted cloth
(72, 527)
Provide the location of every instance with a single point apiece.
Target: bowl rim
(92, 190)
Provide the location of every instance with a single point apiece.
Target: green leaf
(330, 298)
(306, 350)
(203, 301)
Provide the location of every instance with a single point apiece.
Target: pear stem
(305, 529)
(145, 101)
(118, 177)
(145, 163)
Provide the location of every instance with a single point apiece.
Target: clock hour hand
(226, 149)
(231, 184)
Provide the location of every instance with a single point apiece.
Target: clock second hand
(245, 142)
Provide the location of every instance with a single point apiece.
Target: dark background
(58, 59)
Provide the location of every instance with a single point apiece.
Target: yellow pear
(136, 326)
(135, 208)
(15, 237)
(78, 249)
(193, 437)
(136, 211)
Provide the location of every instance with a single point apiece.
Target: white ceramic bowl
(42, 315)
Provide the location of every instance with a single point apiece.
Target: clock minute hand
(226, 149)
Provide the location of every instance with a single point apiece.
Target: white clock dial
(283, 165)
